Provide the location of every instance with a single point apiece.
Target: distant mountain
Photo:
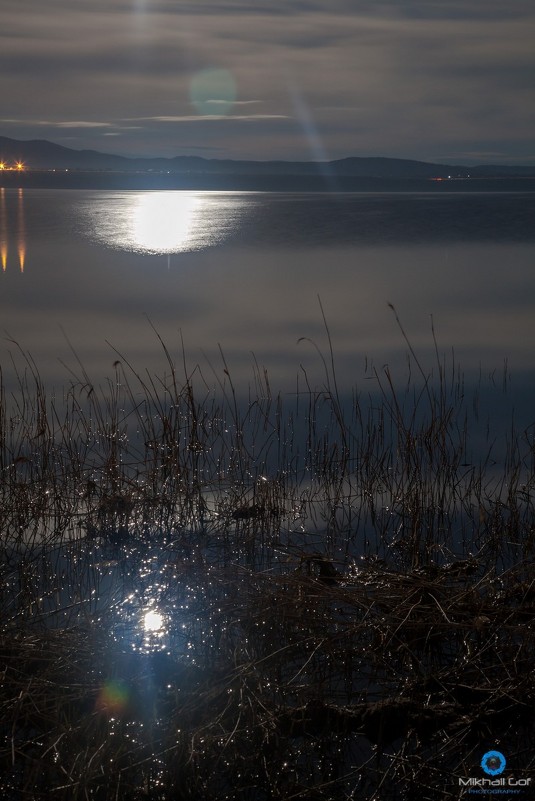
(40, 154)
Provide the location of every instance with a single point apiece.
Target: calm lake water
(245, 270)
(168, 560)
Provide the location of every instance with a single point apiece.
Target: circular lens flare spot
(113, 698)
(213, 92)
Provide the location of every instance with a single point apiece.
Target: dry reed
(346, 595)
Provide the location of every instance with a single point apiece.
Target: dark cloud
(414, 79)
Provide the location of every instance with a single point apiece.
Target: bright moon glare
(162, 221)
(153, 621)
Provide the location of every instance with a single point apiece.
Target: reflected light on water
(21, 233)
(153, 621)
(3, 228)
(150, 632)
(14, 229)
(163, 222)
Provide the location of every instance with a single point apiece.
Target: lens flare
(113, 698)
(213, 92)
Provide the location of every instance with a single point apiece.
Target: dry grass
(347, 597)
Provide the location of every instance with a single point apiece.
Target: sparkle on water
(163, 222)
(153, 621)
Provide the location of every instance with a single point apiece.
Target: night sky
(437, 80)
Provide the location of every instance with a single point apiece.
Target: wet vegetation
(299, 597)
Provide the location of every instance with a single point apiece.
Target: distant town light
(18, 166)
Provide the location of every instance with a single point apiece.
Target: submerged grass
(345, 593)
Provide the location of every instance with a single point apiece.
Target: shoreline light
(18, 166)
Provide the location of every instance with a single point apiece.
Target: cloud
(211, 117)
(384, 78)
(80, 124)
(51, 123)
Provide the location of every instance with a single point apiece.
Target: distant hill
(40, 154)
(56, 167)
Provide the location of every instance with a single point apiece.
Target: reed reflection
(165, 222)
(17, 233)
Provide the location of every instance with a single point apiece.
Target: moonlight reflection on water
(172, 619)
(164, 222)
(153, 621)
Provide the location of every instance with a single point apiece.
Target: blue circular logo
(493, 763)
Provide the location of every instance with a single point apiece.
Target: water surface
(245, 270)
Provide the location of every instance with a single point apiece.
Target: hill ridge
(42, 154)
